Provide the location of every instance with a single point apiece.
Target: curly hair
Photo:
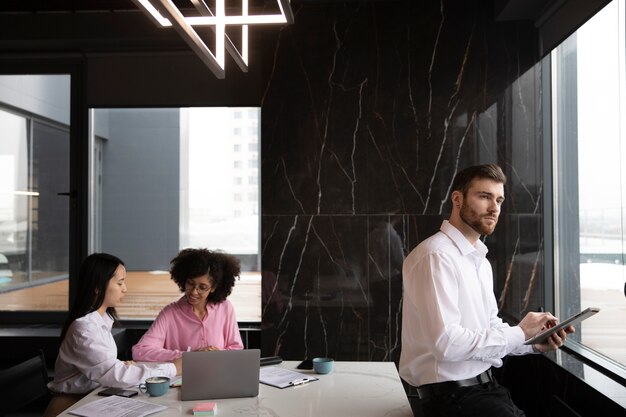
(222, 268)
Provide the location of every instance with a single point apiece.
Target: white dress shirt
(450, 324)
(88, 359)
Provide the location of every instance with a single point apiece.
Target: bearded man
(451, 332)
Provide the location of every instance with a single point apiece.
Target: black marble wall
(369, 110)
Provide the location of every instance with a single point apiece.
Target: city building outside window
(589, 135)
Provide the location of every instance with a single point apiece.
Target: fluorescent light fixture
(268, 19)
(153, 13)
(218, 22)
(18, 192)
(241, 58)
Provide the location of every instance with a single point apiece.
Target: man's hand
(533, 323)
(555, 340)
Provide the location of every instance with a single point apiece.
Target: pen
(300, 381)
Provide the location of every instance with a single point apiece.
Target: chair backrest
(23, 383)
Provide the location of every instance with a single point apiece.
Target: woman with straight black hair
(88, 353)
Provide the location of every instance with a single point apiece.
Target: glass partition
(34, 186)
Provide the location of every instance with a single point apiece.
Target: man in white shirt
(451, 334)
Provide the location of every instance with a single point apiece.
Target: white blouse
(88, 359)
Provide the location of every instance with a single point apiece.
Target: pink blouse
(177, 329)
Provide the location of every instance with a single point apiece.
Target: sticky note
(205, 409)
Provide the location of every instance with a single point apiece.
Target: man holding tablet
(451, 334)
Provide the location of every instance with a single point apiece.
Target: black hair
(93, 279)
(222, 268)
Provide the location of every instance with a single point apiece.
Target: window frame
(557, 233)
(78, 179)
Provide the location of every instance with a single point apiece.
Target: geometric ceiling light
(164, 13)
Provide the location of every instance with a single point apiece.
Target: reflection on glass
(14, 199)
(34, 168)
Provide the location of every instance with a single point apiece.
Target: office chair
(23, 384)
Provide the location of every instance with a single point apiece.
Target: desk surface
(353, 389)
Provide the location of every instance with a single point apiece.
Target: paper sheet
(115, 406)
(282, 378)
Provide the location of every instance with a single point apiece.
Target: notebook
(220, 374)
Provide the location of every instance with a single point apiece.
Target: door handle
(71, 194)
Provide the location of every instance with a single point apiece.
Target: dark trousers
(479, 400)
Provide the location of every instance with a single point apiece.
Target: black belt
(448, 387)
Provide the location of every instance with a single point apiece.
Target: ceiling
(66, 6)
(95, 6)
(96, 22)
(101, 6)
(94, 25)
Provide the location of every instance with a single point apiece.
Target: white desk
(363, 389)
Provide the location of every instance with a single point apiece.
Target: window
(165, 181)
(34, 186)
(589, 134)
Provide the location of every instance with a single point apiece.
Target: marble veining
(369, 109)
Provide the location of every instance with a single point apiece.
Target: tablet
(575, 319)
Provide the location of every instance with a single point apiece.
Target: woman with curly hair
(202, 319)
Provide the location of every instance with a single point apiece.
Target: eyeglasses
(200, 288)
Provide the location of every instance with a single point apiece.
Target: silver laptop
(220, 374)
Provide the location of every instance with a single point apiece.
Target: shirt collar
(464, 246)
(105, 321)
(185, 306)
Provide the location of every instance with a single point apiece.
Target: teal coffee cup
(323, 365)
(155, 386)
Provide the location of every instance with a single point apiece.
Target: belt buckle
(485, 377)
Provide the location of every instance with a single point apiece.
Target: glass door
(34, 191)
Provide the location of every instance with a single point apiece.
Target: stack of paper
(205, 409)
(115, 406)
